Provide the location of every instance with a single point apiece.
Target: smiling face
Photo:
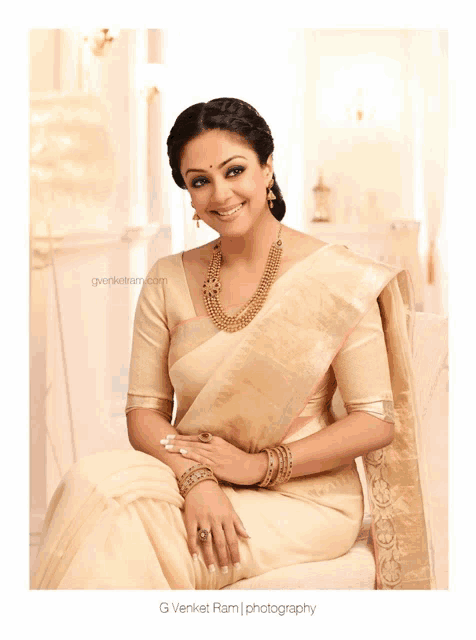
(223, 176)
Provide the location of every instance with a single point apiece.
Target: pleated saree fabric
(334, 319)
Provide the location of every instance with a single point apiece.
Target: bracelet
(193, 476)
(284, 466)
(269, 470)
(290, 463)
(190, 470)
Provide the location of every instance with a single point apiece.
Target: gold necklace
(212, 287)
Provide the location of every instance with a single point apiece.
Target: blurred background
(360, 122)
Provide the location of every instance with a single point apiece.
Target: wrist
(258, 467)
(180, 465)
(203, 485)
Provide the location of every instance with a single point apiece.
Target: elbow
(131, 432)
(388, 433)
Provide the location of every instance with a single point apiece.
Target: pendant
(211, 287)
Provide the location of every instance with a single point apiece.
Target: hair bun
(227, 114)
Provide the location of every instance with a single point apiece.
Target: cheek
(253, 187)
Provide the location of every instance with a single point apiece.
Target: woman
(253, 333)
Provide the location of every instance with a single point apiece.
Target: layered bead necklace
(212, 287)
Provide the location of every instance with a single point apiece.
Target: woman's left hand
(228, 463)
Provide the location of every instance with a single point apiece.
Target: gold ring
(205, 437)
(203, 534)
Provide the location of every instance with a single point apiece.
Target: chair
(356, 568)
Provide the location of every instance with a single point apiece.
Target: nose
(220, 193)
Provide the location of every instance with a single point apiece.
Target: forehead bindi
(212, 151)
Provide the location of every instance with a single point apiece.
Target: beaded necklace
(212, 286)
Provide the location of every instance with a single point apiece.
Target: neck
(253, 246)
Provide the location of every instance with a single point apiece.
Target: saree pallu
(119, 513)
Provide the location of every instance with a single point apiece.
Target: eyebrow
(222, 164)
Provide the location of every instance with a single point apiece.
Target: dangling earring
(270, 195)
(196, 217)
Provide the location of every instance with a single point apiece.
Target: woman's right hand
(208, 507)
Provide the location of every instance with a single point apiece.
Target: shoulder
(199, 255)
(298, 243)
(162, 268)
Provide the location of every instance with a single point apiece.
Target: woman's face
(222, 173)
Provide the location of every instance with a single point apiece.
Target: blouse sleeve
(362, 371)
(149, 382)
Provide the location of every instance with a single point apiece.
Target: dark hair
(227, 114)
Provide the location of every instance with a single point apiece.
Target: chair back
(430, 364)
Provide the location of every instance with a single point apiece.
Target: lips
(229, 211)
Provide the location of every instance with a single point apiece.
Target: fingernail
(169, 446)
(211, 568)
(194, 556)
(237, 565)
(183, 450)
(170, 436)
(224, 569)
(164, 442)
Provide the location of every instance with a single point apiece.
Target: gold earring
(197, 218)
(270, 195)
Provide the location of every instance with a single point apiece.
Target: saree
(116, 521)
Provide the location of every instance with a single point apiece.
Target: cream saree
(333, 319)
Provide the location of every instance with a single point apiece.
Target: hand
(208, 507)
(228, 463)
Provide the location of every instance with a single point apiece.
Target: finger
(172, 437)
(198, 447)
(185, 453)
(221, 547)
(240, 528)
(207, 548)
(232, 542)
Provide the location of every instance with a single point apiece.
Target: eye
(232, 173)
(235, 171)
(196, 182)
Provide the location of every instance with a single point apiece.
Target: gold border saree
(295, 341)
(272, 369)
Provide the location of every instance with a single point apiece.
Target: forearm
(334, 446)
(146, 428)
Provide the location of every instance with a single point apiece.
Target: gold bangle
(190, 470)
(195, 474)
(285, 466)
(290, 463)
(269, 470)
(184, 491)
(192, 475)
(280, 466)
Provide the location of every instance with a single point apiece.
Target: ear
(268, 167)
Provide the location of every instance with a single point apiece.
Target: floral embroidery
(375, 457)
(385, 532)
(389, 574)
(381, 491)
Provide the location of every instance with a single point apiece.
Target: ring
(203, 535)
(205, 437)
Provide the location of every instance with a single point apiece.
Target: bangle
(280, 474)
(193, 476)
(190, 470)
(284, 466)
(288, 471)
(269, 470)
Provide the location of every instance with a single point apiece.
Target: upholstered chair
(356, 568)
